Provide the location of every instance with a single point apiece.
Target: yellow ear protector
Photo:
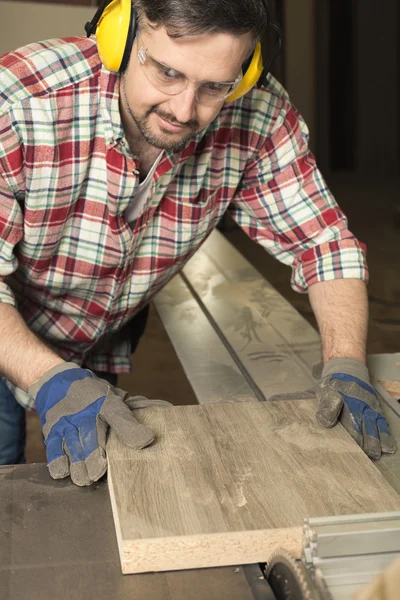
(115, 26)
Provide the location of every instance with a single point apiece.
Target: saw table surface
(57, 541)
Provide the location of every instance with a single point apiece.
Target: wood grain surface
(393, 387)
(225, 484)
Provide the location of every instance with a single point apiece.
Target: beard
(167, 139)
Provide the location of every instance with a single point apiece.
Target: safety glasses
(165, 79)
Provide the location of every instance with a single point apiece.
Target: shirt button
(136, 172)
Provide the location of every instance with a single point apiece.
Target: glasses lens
(208, 93)
(163, 78)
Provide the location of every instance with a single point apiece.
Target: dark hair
(197, 17)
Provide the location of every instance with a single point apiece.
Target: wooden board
(225, 484)
(393, 387)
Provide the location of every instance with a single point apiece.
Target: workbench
(58, 541)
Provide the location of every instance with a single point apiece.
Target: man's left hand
(345, 395)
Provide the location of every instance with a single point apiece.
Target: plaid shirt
(69, 260)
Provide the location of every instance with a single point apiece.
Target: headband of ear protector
(115, 26)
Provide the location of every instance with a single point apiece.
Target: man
(111, 181)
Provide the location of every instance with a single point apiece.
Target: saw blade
(288, 578)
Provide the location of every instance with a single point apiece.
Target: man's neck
(142, 150)
(146, 161)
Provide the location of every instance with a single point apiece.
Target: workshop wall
(358, 87)
(299, 59)
(25, 22)
(74, 2)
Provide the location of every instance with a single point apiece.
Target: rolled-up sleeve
(285, 205)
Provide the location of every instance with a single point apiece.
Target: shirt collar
(109, 107)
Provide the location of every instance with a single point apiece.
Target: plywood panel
(225, 484)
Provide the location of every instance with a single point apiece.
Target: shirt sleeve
(284, 204)
(11, 217)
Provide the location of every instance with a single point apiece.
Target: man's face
(170, 121)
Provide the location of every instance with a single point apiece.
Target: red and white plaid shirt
(69, 259)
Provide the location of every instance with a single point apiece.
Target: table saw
(58, 540)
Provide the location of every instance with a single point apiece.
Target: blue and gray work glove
(76, 408)
(345, 394)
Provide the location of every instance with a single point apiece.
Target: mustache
(192, 124)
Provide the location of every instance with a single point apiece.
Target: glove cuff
(33, 390)
(350, 366)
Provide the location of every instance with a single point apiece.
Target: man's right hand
(76, 409)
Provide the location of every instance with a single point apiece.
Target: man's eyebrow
(180, 73)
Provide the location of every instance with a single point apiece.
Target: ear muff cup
(253, 69)
(115, 33)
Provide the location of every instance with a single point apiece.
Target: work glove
(345, 394)
(76, 408)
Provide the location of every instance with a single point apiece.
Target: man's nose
(183, 105)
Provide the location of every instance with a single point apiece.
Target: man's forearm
(341, 310)
(23, 357)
